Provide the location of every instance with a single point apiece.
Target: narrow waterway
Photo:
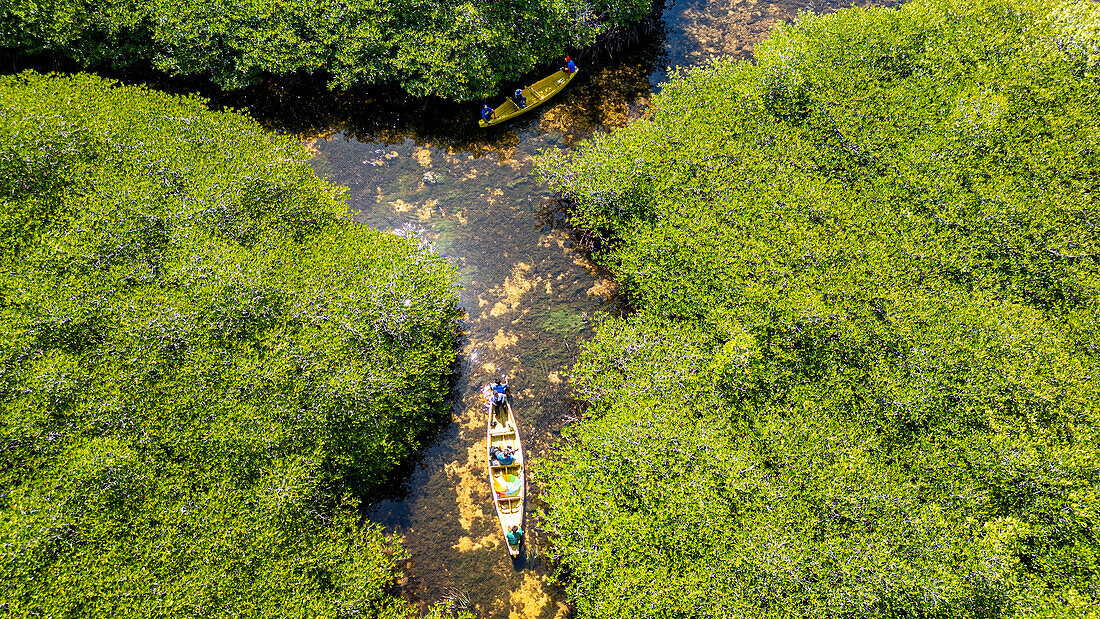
(530, 296)
(529, 292)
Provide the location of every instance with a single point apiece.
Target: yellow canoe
(536, 95)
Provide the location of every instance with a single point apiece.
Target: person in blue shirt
(504, 457)
(486, 113)
(497, 392)
(570, 66)
(521, 100)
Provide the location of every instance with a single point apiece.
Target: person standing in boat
(570, 66)
(486, 112)
(521, 101)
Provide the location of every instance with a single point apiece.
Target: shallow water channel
(529, 292)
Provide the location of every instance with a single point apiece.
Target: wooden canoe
(536, 95)
(506, 483)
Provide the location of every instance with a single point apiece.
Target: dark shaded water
(430, 172)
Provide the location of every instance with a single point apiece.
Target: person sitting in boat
(515, 535)
(570, 66)
(521, 100)
(486, 112)
(503, 457)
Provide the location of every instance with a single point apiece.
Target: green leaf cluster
(202, 362)
(862, 380)
(454, 49)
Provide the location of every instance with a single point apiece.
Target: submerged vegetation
(203, 363)
(862, 379)
(454, 49)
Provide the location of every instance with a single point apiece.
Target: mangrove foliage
(203, 364)
(456, 49)
(862, 378)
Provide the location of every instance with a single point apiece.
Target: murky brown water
(530, 295)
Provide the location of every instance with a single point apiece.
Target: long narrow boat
(536, 95)
(506, 482)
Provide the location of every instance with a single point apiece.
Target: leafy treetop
(862, 380)
(456, 49)
(203, 362)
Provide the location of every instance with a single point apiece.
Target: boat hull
(536, 94)
(507, 484)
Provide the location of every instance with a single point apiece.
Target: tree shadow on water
(302, 105)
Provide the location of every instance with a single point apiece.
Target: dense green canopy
(457, 49)
(202, 362)
(862, 380)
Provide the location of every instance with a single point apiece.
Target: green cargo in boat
(536, 95)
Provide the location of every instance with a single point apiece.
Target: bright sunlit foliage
(862, 380)
(202, 362)
(455, 49)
